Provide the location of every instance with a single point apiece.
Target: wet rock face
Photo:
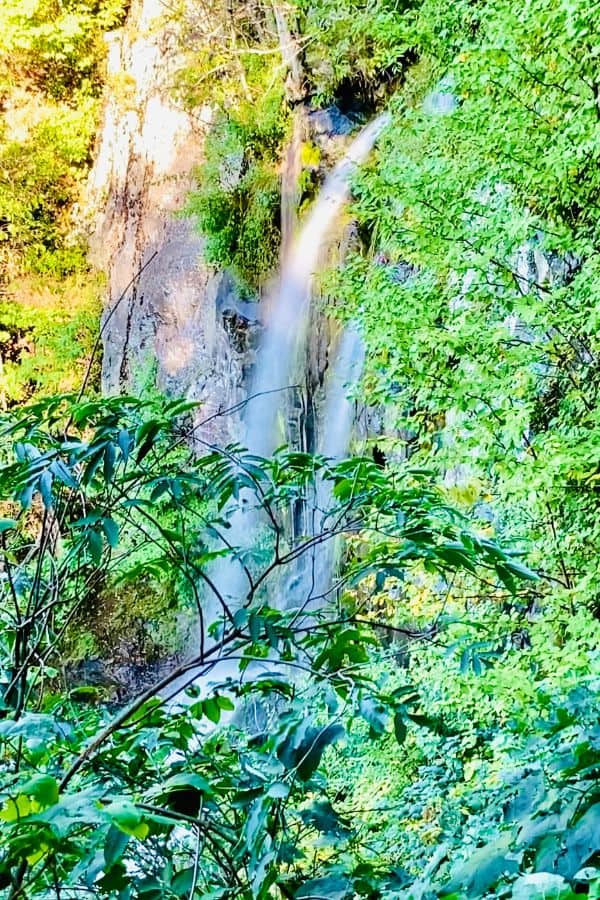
(327, 126)
(114, 680)
(161, 326)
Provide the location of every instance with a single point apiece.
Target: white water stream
(288, 305)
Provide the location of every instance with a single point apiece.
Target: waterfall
(339, 408)
(284, 335)
(290, 183)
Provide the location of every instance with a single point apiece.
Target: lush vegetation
(478, 296)
(133, 803)
(237, 70)
(51, 56)
(237, 203)
(431, 729)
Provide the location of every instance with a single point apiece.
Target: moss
(237, 203)
(418, 81)
(310, 155)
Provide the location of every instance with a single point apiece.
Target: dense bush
(479, 298)
(237, 201)
(351, 48)
(46, 338)
(51, 53)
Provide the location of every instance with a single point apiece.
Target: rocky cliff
(168, 319)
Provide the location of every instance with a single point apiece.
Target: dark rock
(329, 122)
(228, 302)
(402, 272)
(114, 680)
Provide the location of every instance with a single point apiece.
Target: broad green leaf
(111, 530)
(542, 886)
(114, 845)
(15, 808)
(331, 887)
(127, 818)
(7, 524)
(43, 788)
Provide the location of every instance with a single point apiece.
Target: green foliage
(480, 304)
(40, 177)
(51, 53)
(238, 196)
(51, 59)
(133, 801)
(237, 202)
(56, 45)
(47, 331)
(478, 298)
(496, 791)
(236, 68)
(354, 45)
(231, 57)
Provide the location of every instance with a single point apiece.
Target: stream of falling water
(287, 307)
(335, 431)
(283, 339)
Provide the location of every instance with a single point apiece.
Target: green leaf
(305, 756)
(45, 487)
(187, 779)
(322, 816)
(124, 442)
(332, 887)
(111, 530)
(7, 524)
(109, 462)
(114, 845)
(521, 571)
(145, 438)
(226, 703)
(400, 729)
(94, 542)
(44, 788)
(15, 808)
(279, 790)
(484, 868)
(183, 882)
(64, 475)
(212, 709)
(127, 818)
(375, 714)
(542, 886)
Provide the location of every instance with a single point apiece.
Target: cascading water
(287, 307)
(334, 439)
(283, 338)
(339, 407)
